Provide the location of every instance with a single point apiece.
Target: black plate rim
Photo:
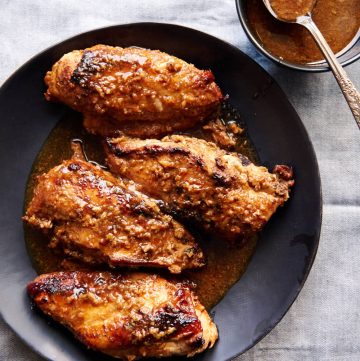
(275, 322)
(310, 265)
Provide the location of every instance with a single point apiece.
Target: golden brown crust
(98, 219)
(137, 91)
(127, 316)
(223, 192)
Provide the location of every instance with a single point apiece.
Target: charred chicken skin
(127, 316)
(222, 192)
(140, 92)
(98, 219)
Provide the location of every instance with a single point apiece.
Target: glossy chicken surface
(136, 91)
(222, 192)
(127, 316)
(97, 218)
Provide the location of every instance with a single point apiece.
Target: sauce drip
(338, 20)
(225, 262)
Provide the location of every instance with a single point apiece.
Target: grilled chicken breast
(97, 218)
(128, 316)
(137, 91)
(221, 191)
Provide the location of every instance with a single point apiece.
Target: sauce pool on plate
(338, 20)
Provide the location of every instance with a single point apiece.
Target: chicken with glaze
(140, 92)
(127, 316)
(98, 219)
(223, 192)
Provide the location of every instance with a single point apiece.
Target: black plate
(288, 246)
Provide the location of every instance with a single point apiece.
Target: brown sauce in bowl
(338, 20)
(225, 262)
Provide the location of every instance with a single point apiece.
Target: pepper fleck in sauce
(338, 20)
(225, 262)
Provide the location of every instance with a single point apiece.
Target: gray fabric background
(324, 322)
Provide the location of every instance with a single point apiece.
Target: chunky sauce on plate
(338, 20)
(225, 263)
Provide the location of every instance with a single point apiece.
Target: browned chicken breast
(137, 91)
(223, 192)
(127, 316)
(97, 218)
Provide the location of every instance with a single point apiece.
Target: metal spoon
(351, 94)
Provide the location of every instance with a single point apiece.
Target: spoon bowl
(293, 15)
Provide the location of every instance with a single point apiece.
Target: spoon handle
(351, 94)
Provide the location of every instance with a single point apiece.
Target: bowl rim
(296, 66)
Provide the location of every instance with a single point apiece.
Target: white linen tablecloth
(324, 322)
